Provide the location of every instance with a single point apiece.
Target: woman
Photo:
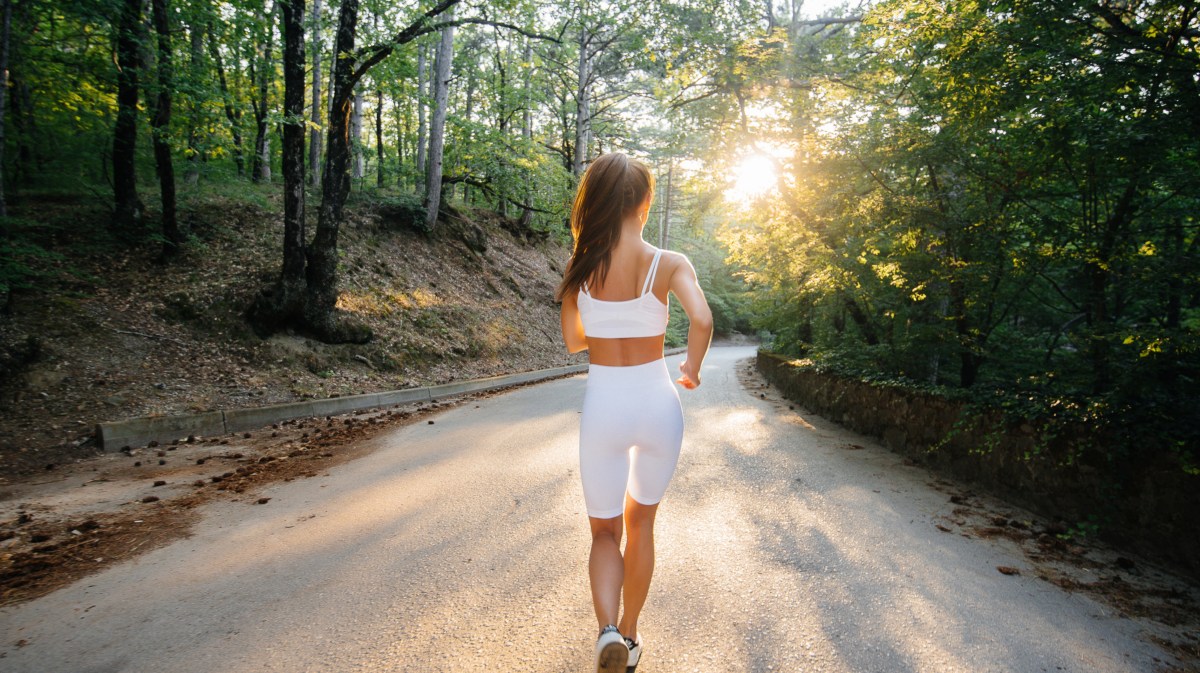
(631, 428)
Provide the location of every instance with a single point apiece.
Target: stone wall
(1145, 503)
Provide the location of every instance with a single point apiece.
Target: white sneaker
(635, 653)
(611, 651)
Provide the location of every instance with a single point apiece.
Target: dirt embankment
(117, 335)
(123, 336)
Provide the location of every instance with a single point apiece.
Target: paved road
(461, 546)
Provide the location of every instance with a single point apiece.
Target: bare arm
(572, 326)
(691, 297)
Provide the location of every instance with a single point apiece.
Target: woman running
(614, 305)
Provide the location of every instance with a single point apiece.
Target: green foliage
(991, 196)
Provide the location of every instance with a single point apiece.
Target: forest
(991, 200)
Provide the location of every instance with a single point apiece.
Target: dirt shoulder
(99, 512)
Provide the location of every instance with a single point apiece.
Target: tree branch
(829, 21)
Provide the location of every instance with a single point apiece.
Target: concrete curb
(139, 431)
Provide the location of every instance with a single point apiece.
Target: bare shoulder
(676, 262)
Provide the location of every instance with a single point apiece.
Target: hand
(690, 379)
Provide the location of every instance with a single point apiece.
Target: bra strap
(651, 273)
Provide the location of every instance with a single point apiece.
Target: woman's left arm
(572, 325)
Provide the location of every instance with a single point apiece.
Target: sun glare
(752, 178)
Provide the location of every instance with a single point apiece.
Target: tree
(314, 140)
(422, 83)
(5, 26)
(437, 126)
(127, 209)
(172, 236)
(232, 114)
(261, 69)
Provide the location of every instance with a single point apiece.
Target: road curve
(461, 546)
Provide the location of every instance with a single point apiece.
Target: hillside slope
(136, 338)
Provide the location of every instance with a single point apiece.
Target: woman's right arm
(687, 290)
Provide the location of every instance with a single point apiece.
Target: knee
(639, 519)
(607, 530)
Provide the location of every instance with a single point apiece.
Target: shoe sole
(613, 658)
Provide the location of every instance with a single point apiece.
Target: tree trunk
(403, 132)
(260, 168)
(465, 141)
(234, 117)
(5, 25)
(172, 237)
(860, 318)
(502, 123)
(664, 231)
(379, 138)
(195, 116)
(293, 145)
(314, 139)
(127, 210)
(969, 357)
(527, 133)
(582, 108)
(441, 94)
(321, 290)
(356, 135)
(284, 302)
(422, 88)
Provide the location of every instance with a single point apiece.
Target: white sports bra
(642, 316)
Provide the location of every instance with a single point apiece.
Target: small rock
(263, 501)
(941, 528)
(137, 463)
(245, 435)
(431, 422)
(161, 461)
(153, 443)
(161, 454)
(1008, 570)
(200, 461)
(150, 498)
(160, 482)
(191, 439)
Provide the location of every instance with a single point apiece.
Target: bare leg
(606, 568)
(639, 561)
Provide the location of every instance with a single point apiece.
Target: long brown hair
(611, 188)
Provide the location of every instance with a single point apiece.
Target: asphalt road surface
(462, 546)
